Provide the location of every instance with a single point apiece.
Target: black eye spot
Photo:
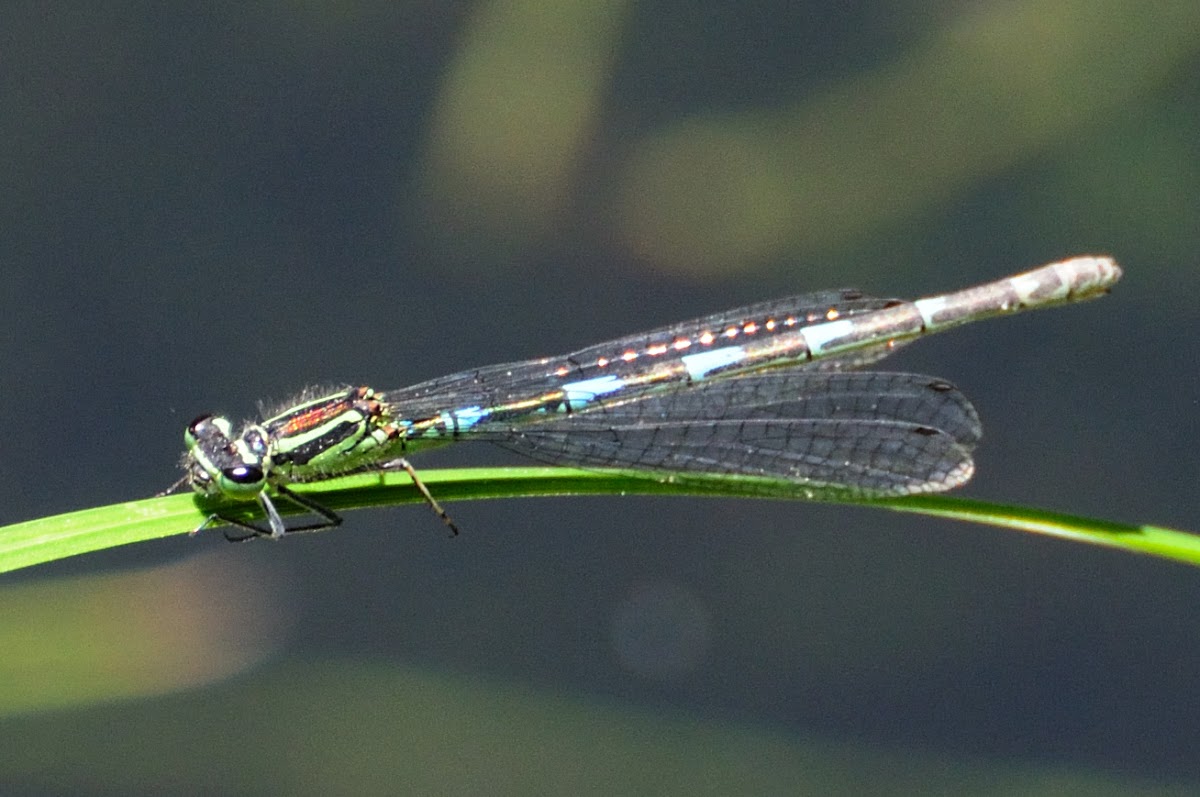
(243, 474)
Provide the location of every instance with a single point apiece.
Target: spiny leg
(429, 499)
(276, 526)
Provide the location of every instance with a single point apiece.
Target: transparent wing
(494, 385)
(866, 433)
(868, 458)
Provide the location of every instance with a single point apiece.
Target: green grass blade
(60, 536)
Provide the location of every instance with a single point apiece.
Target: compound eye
(196, 426)
(243, 474)
(206, 429)
(241, 482)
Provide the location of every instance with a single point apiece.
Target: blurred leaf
(338, 727)
(995, 86)
(72, 641)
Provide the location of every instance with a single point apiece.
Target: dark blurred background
(205, 206)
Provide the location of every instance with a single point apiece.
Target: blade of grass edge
(60, 536)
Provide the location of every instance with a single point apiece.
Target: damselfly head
(219, 464)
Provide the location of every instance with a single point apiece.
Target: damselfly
(760, 391)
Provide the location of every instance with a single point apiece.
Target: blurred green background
(208, 205)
